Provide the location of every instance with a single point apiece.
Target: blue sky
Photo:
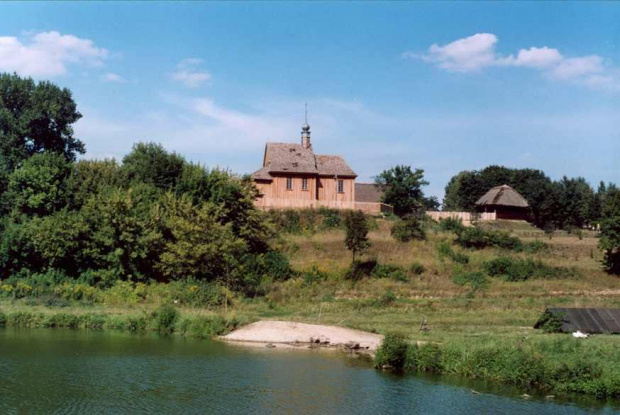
(440, 86)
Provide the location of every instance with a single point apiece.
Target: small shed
(586, 320)
(506, 202)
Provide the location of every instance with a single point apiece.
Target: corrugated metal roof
(587, 320)
(503, 196)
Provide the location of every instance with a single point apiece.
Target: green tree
(402, 188)
(38, 187)
(201, 247)
(609, 240)
(35, 117)
(356, 239)
(150, 163)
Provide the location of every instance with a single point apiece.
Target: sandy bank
(291, 333)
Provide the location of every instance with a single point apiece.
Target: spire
(305, 131)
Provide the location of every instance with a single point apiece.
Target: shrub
(411, 359)
(475, 279)
(392, 352)
(408, 229)
(478, 238)
(451, 225)
(360, 269)
(428, 358)
(165, 318)
(444, 249)
(551, 323)
(331, 218)
(417, 269)
(3, 319)
(517, 269)
(313, 276)
(385, 300)
(535, 247)
(389, 271)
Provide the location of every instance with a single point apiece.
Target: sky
(442, 86)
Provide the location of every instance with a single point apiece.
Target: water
(65, 372)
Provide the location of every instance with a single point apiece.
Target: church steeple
(305, 132)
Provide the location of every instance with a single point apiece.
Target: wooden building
(586, 320)
(294, 177)
(505, 202)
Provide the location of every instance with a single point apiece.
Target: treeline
(566, 203)
(154, 216)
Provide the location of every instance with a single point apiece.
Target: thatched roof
(368, 192)
(294, 158)
(587, 320)
(502, 196)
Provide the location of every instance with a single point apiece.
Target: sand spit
(272, 333)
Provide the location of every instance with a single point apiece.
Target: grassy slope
(501, 316)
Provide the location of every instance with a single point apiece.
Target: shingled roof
(333, 166)
(587, 320)
(502, 196)
(294, 158)
(368, 192)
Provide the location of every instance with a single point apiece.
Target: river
(92, 372)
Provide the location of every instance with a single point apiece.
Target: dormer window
(289, 183)
(340, 186)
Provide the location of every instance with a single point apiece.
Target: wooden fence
(466, 217)
(283, 204)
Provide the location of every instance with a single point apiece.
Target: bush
(478, 238)
(428, 358)
(408, 229)
(360, 269)
(551, 323)
(536, 247)
(451, 225)
(313, 276)
(389, 271)
(385, 300)
(444, 249)
(165, 318)
(475, 279)
(517, 269)
(416, 268)
(392, 352)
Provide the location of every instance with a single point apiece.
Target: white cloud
(577, 67)
(477, 52)
(538, 57)
(112, 77)
(189, 73)
(464, 55)
(48, 54)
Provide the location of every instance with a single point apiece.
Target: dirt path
(300, 334)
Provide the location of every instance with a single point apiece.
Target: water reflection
(58, 371)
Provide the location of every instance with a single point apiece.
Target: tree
(402, 188)
(356, 239)
(34, 118)
(609, 240)
(200, 246)
(151, 163)
(38, 187)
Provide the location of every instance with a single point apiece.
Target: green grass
(498, 316)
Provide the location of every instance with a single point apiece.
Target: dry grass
(505, 308)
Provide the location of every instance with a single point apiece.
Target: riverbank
(478, 332)
(309, 335)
